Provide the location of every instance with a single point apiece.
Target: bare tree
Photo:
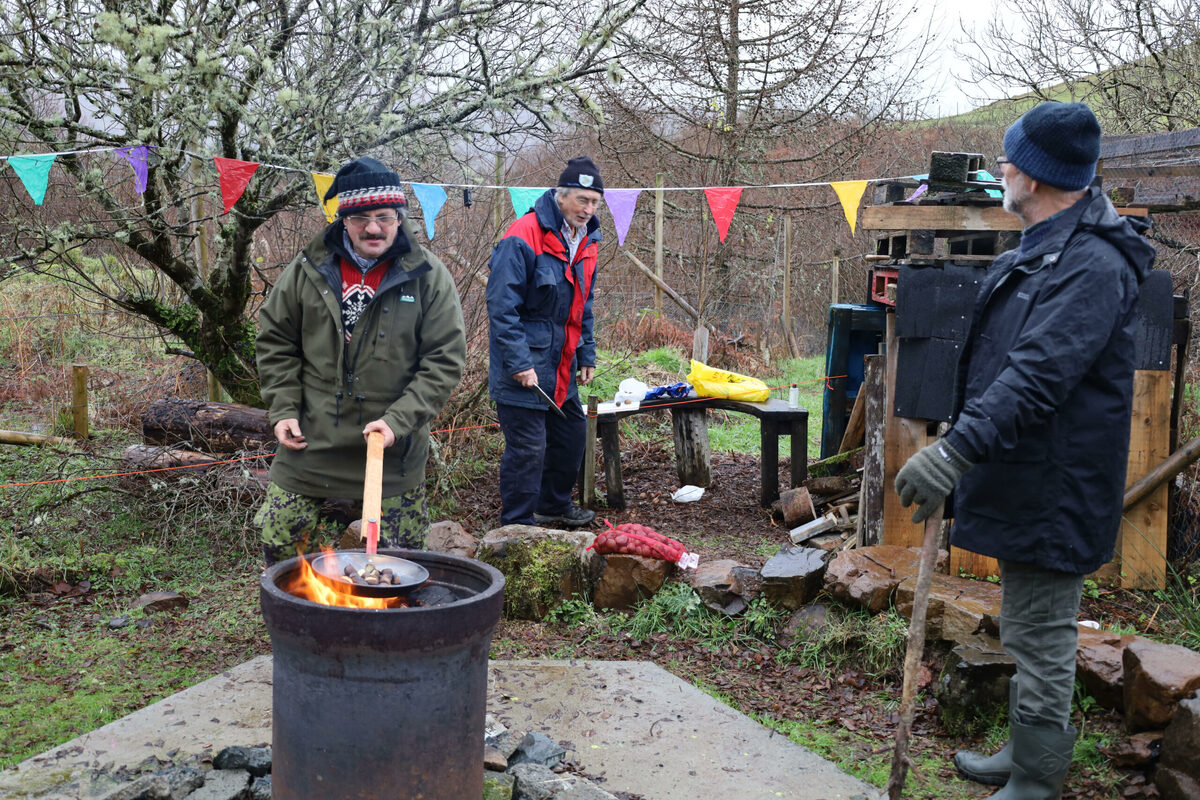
(1136, 62)
(297, 85)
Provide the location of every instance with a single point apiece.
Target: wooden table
(776, 418)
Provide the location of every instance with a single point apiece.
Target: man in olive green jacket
(362, 332)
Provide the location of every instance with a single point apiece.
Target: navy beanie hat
(1057, 144)
(581, 173)
(365, 184)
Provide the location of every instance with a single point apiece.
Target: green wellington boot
(994, 769)
(1041, 757)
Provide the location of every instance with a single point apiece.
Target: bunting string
(235, 175)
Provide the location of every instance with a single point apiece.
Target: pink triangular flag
(620, 203)
(234, 175)
(722, 202)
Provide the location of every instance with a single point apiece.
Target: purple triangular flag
(137, 156)
(620, 203)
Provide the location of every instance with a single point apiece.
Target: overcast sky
(950, 82)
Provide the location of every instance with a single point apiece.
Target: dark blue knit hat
(582, 172)
(365, 184)
(1057, 144)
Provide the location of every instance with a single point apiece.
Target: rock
(155, 602)
(745, 582)
(973, 686)
(255, 760)
(1139, 751)
(493, 759)
(1157, 677)
(222, 784)
(805, 623)
(541, 567)
(535, 782)
(448, 536)
(498, 786)
(147, 787)
(1099, 667)
(352, 539)
(867, 576)
(584, 790)
(1174, 785)
(538, 748)
(959, 608)
(713, 581)
(260, 788)
(506, 742)
(118, 622)
(1181, 740)
(793, 577)
(627, 579)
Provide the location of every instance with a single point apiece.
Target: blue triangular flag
(431, 197)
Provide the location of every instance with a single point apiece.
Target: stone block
(793, 577)
(447, 536)
(627, 579)
(1157, 677)
(867, 576)
(959, 608)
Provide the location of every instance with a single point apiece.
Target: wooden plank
(964, 562)
(1142, 542)
(856, 426)
(870, 507)
(1152, 143)
(901, 439)
(950, 218)
(1152, 171)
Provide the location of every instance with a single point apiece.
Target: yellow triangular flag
(850, 193)
(323, 181)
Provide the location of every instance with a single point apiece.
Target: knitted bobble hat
(1057, 144)
(581, 173)
(365, 184)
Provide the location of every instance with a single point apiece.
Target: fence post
(658, 242)
(80, 404)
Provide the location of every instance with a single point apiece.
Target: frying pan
(330, 568)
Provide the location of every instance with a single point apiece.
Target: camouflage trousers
(287, 519)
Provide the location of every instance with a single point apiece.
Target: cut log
(831, 484)
(143, 458)
(20, 437)
(208, 426)
(796, 506)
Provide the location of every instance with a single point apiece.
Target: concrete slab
(630, 723)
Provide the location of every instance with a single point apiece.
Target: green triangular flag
(34, 172)
(523, 198)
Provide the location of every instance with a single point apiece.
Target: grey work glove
(929, 476)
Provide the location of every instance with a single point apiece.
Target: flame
(304, 583)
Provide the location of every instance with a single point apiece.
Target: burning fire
(304, 583)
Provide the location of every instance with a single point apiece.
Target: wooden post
(788, 340)
(202, 259)
(658, 243)
(80, 404)
(870, 506)
(901, 439)
(833, 280)
(700, 345)
(498, 206)
(587, 491)
(1142, 542)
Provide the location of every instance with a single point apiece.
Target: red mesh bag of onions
(632, 539)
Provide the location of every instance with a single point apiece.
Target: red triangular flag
(722, 201)
(234, 175)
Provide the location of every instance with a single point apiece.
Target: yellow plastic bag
(710, 382)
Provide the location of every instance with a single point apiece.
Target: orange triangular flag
(234, 175)
(722, 201)
(850, 193)
(323, 180)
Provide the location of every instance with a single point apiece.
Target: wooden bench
(776, 418)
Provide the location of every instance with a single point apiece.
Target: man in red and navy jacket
(539, 298)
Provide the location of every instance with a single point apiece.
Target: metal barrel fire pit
(382, 703)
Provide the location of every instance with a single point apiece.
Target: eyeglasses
(383, 220)
(1001, 161)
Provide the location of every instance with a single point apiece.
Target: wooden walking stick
(912, 656)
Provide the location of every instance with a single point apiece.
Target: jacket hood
(1123, 233)
(1095, 214)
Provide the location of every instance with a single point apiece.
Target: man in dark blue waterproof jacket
(539, 298)
(1039, 443)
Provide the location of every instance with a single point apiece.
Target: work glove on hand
(929, 476)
